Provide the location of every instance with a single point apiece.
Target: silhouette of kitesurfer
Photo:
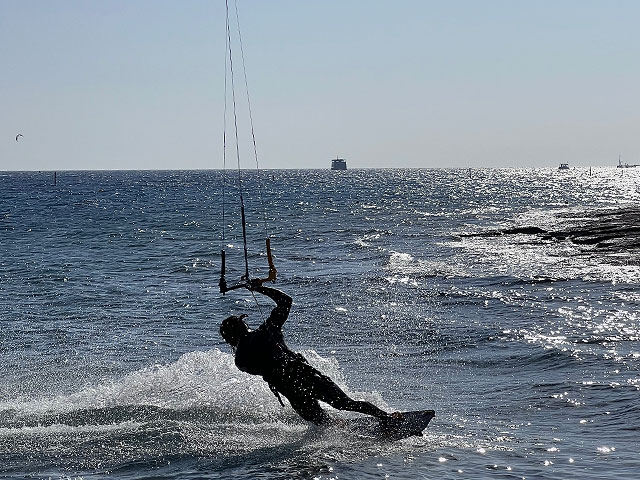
(263, 352)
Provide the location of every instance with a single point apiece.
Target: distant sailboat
(626, 165)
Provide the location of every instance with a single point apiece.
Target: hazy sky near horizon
(139, 84)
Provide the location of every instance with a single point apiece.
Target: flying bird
(19, 135)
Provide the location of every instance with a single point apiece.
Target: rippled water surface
(527, 347)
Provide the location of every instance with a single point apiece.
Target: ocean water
(527, 347)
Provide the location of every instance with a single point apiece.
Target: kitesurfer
(263, 352)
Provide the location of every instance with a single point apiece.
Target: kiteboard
(397, 426)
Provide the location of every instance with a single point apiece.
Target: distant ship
(625, 165)
(338, 164)
(563, 166)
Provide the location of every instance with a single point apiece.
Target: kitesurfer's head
(233, 329)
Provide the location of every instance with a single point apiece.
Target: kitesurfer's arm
(283, 302)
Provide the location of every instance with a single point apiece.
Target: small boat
(563, 166)
(626, 165)
(338, 164)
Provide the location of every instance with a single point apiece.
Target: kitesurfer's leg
(327, 391)
(309, 409)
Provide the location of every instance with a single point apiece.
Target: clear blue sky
(410, 83)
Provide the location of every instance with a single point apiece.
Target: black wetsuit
(263, 352)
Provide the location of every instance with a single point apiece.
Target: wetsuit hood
(233, 328)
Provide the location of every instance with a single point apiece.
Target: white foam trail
(60, 429)
(201, 379)
(196, 379)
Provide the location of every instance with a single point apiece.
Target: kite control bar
(244, 279)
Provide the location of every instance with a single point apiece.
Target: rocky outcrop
(616, 229)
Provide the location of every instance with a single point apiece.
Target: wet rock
(608, 229)
(616, 229)
(509, 231)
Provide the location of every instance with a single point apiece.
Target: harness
(276, 393)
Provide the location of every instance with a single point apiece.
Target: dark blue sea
(413, 289)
